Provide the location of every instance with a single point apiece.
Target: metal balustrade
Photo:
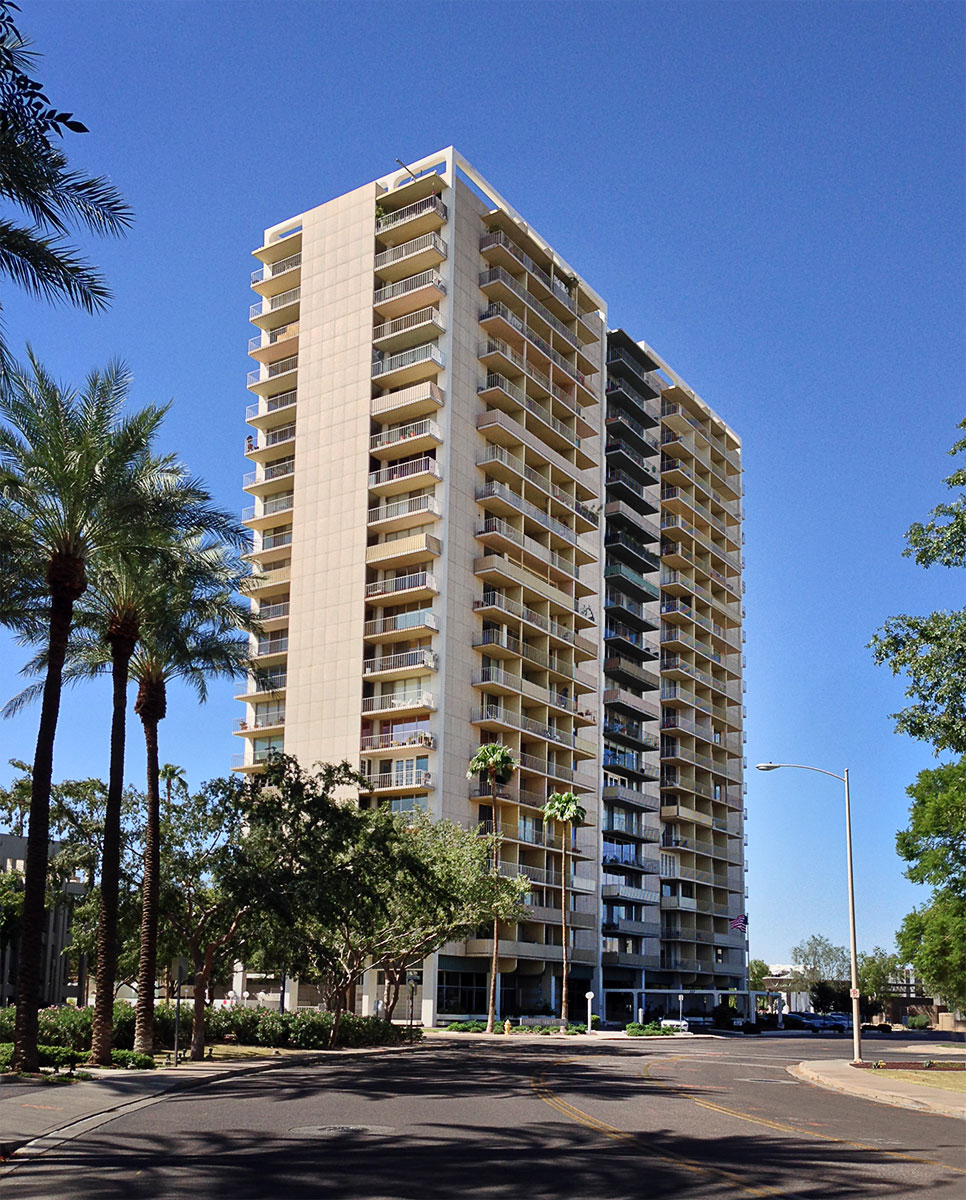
(495, 489)
(427, 241)
(499, 275)
(559, 289)
(429, 204)
(402, 622)
(500, 454)
(398, 700)
(405, 433)
(398, 740)
(429, 352)
(497, 525)
(413, 283)
(403, 583)
(421, 658)
(398, 780)
(406, 470)
(412, 506)
(413, 320)
(270, 270)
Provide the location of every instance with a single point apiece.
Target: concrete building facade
(478, 517)
(427, 475)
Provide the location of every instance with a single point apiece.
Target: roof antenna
(405, 168)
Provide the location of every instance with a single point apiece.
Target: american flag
(739, 922)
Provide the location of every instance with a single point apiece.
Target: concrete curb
(841, 1077)
(171, 1080)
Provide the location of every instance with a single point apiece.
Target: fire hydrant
(507, 1026)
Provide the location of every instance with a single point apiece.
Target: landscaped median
(572, 1029)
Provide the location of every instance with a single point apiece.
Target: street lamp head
(767, 766)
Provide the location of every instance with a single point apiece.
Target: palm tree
(74, 482)
(36, 178)
(566, 809)
(174, 779)
(196, 636)
(499, 763)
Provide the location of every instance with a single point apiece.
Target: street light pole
(853, 952)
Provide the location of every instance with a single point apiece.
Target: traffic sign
(854, 993)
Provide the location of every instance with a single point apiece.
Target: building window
(462, 992)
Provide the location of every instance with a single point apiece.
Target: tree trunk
(148, 961)
(30, 966)
(563, 929)
(495, 961)
(102, 1030)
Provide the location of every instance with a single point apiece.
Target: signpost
(589, 997)
(681, 1006)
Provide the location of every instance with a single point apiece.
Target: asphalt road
(694, 1118)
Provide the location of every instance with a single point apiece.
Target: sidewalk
(840, 1076)
(36, 1113)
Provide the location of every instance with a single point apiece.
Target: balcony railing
(402, 622)
(278, 268)
(419, 466)
(398, 700)
(271, 404)
(495, 380)
(410, 212)
(498, 346)
(275, 645)
(268, 612)
(403, 583)
(393, 780)
(498, 309)
(403, 287)
(500, 454)
(495, 712)
(559, 289)
(551, 662)
(525, 613)
(429, 352)
(498, 275)
(399, 740)
(428, 241)
(495, 525)
(421, 659)
(413, 320)
(405, 433)
(274, 302)
(500, 491)
(413, 506)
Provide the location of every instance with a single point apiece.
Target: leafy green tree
(454, 893)
(75, 478)
(933, 937)
(931, 650)
(36, 178)
(877, 968)
(817, 959)
(497, 763)
(566, 810)
(758, 971)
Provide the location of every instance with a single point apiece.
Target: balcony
(494, 716)
(629, 958)
(278, 344)
(621, 700)
(272, 410)
(645, 613)
(271, 650)
(400, 666)
(275, 278)
(412, 438)
(375, 743)
(397, 702)
(264, 583)
(418, 291)
(499, 498)
(625, 576)
(500, 682)
(408, 366)
(266, 447)
(405, 476)
(643, 798)
(497, 461)
(496, 602)
(530, 763)
(271, 508)
(503, 354)
(497, 247)
(260, 482)
(499, 284)
(401, 627)
(422, 217)
(401, 333)
(627, 855)
(404, 514)
(420, 585)
(624, 891)
(276, 310)
(620, 391)
(409, 402)
(399, 781)
(626, 925)
(418, 254)
(273, 376)
(499, 535)
(403, 552)
(641, 497)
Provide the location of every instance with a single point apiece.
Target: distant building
(56, 937)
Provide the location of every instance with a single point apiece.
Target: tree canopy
(818, 959)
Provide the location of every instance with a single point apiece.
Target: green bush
(919, 1022)
(130, 1058)
(634, 1029)
(467, 1027)
(595, 1021)
(47, 1056)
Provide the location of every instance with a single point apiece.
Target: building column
(428, 1005)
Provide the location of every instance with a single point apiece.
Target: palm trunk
(495, 961)
(563, 930)
(150, 886)
(30, 963)
(102, 1030)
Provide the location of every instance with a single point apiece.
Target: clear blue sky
(771, 194)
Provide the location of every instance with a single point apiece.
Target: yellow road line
(543, 1092)
(782, 1128)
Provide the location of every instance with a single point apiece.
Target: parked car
(838, 1022)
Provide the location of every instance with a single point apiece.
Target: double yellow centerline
(541, 1090)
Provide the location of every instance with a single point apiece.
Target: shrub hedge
(653, 1030)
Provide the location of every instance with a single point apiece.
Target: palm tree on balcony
(566, 810)
(498, 763)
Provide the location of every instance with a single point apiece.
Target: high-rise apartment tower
(426, 491)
